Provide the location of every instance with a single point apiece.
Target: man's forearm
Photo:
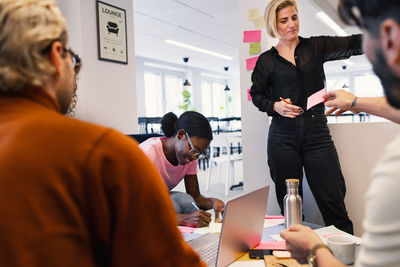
(378, 106)
(326, 259)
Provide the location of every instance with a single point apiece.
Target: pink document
(278, 245)
(186, 230)
(272, 217)
(315, 98)
(251, 36)
(251, 63)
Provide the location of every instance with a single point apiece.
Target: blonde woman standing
(300, 138)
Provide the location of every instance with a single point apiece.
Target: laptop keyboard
(207, 247)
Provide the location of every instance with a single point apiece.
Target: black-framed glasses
(76, 60)
(194, 153)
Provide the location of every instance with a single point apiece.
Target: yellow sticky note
(259, 22)
(255, 48)
(253, 13)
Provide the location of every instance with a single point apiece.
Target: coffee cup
(343, 247)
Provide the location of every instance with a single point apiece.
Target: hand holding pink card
(315, 98)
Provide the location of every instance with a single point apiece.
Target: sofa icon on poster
(112, 27)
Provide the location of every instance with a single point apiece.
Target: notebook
(241, 230)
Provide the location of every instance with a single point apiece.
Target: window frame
(163, 73)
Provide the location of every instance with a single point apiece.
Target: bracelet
(354, 102)
(312, 258)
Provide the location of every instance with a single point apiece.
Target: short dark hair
(369, 14)
(193, 122)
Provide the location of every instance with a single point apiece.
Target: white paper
(277, 237)
(254, 263)
(332, 230)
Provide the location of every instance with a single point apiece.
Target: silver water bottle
(292, 203)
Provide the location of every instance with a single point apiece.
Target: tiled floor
(217, 190)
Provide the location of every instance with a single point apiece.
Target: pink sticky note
(315, 98)
(279, 245)
(251, 63)
(273, 217)
(328, 235)
(251, 36)
(186, 230)
(248, 95)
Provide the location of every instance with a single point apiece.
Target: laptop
(242, 229)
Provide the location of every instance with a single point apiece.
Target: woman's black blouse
(275, 77)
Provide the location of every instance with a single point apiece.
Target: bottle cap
(292, 180)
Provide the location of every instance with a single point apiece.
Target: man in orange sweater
(72, 194)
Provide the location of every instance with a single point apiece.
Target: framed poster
(111, 33)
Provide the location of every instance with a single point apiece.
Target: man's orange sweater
(75, 194)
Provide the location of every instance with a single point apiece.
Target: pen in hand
(290, 103)
(284, 100)
(195, 206)
(219, 219)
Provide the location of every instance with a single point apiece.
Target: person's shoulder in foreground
(382, 223)
(87, 187)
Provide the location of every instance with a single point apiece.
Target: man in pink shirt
(175, 156)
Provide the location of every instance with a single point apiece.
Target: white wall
(106, 91)
(254, 123)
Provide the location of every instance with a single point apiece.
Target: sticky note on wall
(255, 48)
(259, 22)
(251, 36)
(251, 63)
(253, 13)
(248, 95)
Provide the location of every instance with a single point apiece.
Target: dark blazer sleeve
(262, 87)
(337, 48)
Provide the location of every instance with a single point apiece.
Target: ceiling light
(333, 25)
(198, 49)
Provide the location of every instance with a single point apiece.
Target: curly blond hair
(271, 13)
(27, 30)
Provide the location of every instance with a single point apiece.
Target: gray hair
(27, 29)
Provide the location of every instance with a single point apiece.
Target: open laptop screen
(242, 226)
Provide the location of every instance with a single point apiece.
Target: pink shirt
(171, 174)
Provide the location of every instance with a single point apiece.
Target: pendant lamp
(186, 83)
(226, 80)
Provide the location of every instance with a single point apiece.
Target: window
(206, 99)
(362, 83)
(153, 94)
(163, 91)
(334, 83)
(367, 85)
(218, 96)
(213, 98)
(173, 93)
